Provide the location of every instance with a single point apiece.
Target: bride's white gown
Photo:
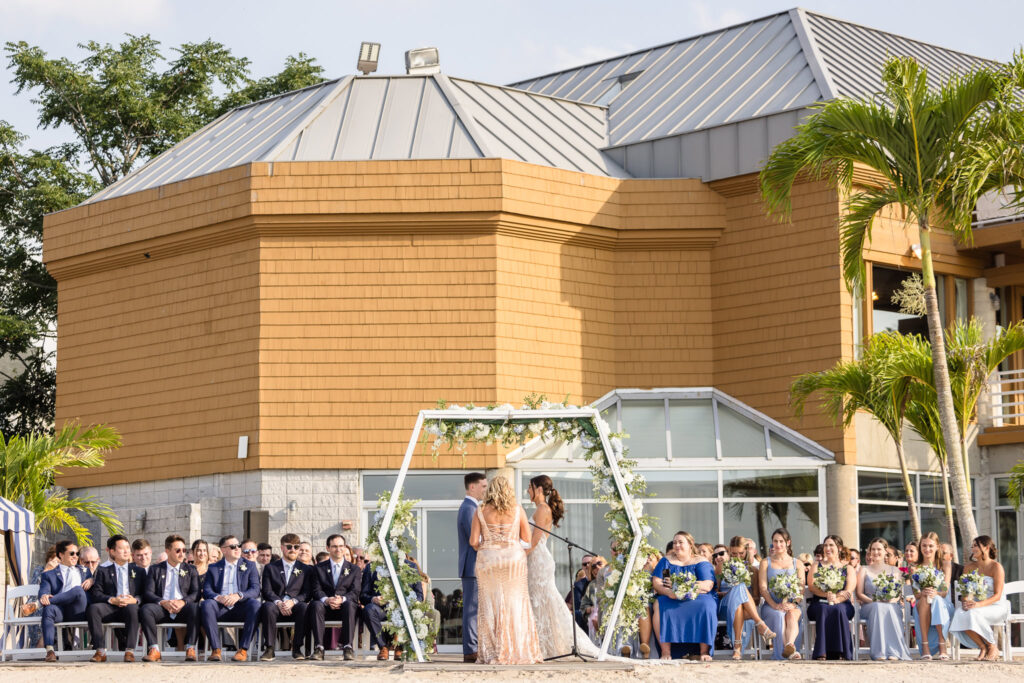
(554, 621)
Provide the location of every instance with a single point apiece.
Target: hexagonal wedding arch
(557, 424)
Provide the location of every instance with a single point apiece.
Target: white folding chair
(1011, 590)
(15, 625)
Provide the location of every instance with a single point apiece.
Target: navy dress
(688, 621)
(832, 637)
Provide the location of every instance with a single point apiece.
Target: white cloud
(141, 13)
(709, 16)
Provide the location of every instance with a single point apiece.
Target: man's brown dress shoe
(469, 659)
(398, 654)
(190, 655)
(51, 656)
(382, 656)
(98, 657)
(152, 656)
(214, 655)
(129, 656)
(241, 655)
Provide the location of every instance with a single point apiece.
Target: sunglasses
(291, 546)
(720, 553)
(232, 546)
(335, 547)
(250, 552)
(72, 553)
(178, 550)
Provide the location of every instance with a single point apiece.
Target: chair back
(16, 594)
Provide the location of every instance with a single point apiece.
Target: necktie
(337, 570)
(122, 580)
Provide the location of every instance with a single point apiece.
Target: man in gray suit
(476, 487)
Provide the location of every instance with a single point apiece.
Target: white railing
(1006, 397)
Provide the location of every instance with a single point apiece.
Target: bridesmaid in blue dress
(737, 604)
(883, 620)
(783, 617)
(939, 611)
(832, 637)
(688, 622)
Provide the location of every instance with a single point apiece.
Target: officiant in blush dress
(506, 631)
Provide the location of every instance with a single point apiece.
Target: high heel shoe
(766, 633)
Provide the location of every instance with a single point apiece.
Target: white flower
(586, 442)
(645, 530)
(396, 619)
(438, 442)
(506, 407)
(617, 446)
(564, 426)
(482, 431)
(383, 571)
(627, 476)
(609, 593)
(614, 577)
(455, 406)
(421, 631)
(433, 428)
(465, 427)
(519, 428)
(417, 614)
(633, 590)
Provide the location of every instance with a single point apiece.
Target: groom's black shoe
(469, 659)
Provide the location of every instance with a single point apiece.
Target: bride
(554, 621)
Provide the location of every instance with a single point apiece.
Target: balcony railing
(1006, 397)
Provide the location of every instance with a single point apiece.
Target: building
(263, 309)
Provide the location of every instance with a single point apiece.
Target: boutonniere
(296, 572)
(133, 573)
(242, 568)
(182, 573)
(345, 572)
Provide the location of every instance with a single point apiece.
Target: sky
(497, 42)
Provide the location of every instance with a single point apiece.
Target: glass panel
(741, 436)
(769, 483)
(931, 490)
(858, 324)
(448, 601)
(889, 522)
(960, 285)
(693, 429)
(420, 486)
(1007, 544)
(940, 291)
(682, 483)
(700, 519)
(1003, 492)
(886, 314)
(781, 448)
(934, 519)
(759, 520)
(441, 552)
(577, 485)
(644, 421)
(881, 486)
(584, 524)
(611, 416)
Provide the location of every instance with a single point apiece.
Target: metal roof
(389, 117)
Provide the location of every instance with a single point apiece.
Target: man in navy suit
(231, 590)
(171, 597)
(62, 593)
(287, 590)
(373, 611)
(115, 596)
(336, 585)
(476, 487)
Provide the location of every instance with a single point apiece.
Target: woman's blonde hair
(500, 494)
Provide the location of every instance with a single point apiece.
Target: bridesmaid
(833, 639)
(782, 617)
(940, 611)
(973, 619)
(883, 620)
(737, 604)
(690, 622)
(506, 631)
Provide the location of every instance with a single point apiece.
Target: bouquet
(684, 585)
(787, 587)
(735, 572)
(973, 586)
(830, 580)
(927, 576)
(887, 587)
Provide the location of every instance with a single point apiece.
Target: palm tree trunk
(944, 397)
(915, 520)
(950, 530)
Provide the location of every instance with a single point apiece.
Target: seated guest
(373, 611)
(336, 585)
(831, 612)
(287, 590)
(883, 618)
(579, 588)
(264, 553)
(781, 613)
(933, 607)
(62, 594)
(737, 602)
(973, 620)
(142, 553)
(171, 597)
(251, 553)
(231, 592)
(115, 596)
(690, 622)
(89, 558)
(306, 552)
(320, 557)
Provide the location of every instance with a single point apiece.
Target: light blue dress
(776, 619)
(734, 598)
(883, 622)
(979, 619)
(942, 612)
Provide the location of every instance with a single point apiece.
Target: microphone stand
(569, 545)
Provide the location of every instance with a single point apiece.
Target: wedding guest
(719, 554)
(882, 618)
(429, 596)
(320, 557)
(806, 561)
(171, 597)
(89, 558)
(359, 555)
(251, 552)
(231, 592)
(287, 589)
(336, 586)
(264, 553)
(62, 594)
(579, 588)
(115, 597)
(956, 570)
(737, 604)
(373, 612)
(142, 553)
(646, 623)
(973, 620)
(753, 556)
(911, 556)
(215, 554)
(690, 622)
(782, 616)
(475, 484)
(934, 606)
(705, 550)
(32, 605)
(306, 552)
(590, 601)
(855, 559)
(831, 612)
(819, 552)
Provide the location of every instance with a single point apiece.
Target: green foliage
(1015, 487)
(300, 71)
(30, 464)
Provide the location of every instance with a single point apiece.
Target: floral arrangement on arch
(400, 546)
(492, 427)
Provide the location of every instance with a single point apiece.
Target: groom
(476, 487)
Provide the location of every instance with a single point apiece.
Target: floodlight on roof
(424, 60)
(368, 53)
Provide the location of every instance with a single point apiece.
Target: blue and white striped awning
(17, 525)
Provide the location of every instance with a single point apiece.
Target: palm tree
(936, 151)
(849, 387)
(1015, 488)
(29, 466)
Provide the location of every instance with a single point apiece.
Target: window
(885, 313)
(615, 87)
(960, 298)
(1008, 530)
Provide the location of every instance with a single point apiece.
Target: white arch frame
(479, 415)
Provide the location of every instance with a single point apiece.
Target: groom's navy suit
(467, 572)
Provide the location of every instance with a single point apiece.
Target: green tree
(1015, 487)
(858, 385)
(30, 464)
(122, 105)
(936, 150)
